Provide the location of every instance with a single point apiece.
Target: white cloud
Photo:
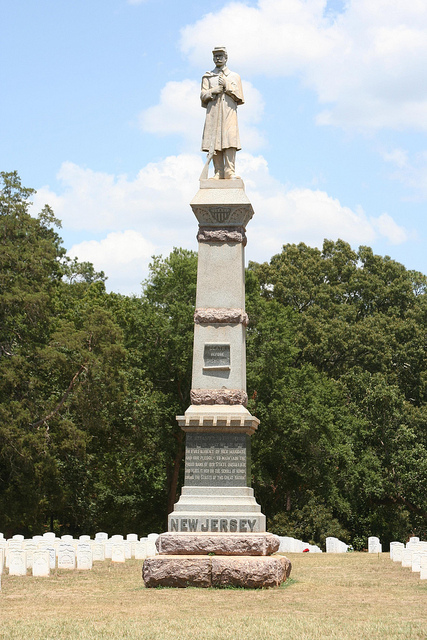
(285, 214)
(387, 227)
(179, 112)
(410, 171)
(368, 62)
(150, 214)
(123, 256)
(92, 200)
(399, 157)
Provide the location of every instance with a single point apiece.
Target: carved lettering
(242, 526)
(217, 355)
(205, 527)
(251, 524)
(214, 525)
(223, 525)
(192, 524)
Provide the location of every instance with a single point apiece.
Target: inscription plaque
(217, 460)
(217, 356)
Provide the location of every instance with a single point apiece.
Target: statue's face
(220, 58)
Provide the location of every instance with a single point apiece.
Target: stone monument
(217, 533)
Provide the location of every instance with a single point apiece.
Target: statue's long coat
(221, 127)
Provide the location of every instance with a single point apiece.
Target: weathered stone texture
(213, 234)
(218, 396)
(252, 572)
(249, 572)
(219, 544)
(221, 316)
(177, 572)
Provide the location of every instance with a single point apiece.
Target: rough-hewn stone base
(249, 544)
(252, 572)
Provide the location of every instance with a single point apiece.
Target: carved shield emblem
(220, 214)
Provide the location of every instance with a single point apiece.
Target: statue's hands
(217, 90)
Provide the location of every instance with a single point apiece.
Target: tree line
(91, 382)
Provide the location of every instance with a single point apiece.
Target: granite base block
(251, 572)
(251, 544)
(173, 571)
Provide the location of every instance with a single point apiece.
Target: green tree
(359, 321)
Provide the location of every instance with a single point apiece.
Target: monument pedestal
(217, 496)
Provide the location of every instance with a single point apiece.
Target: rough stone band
(221, 316)
(225, 234)
(218, 396)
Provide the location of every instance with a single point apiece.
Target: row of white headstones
(412, 555)
(293, 545)
(42, 554)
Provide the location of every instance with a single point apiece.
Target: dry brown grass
(342, 597)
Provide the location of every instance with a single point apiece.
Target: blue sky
(100, 113)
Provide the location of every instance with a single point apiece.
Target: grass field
(344, 596)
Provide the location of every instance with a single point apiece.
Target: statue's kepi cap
(219, 50)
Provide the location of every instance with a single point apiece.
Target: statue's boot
(218, 162)
(230, 163)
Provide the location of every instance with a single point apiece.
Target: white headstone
(84, 538)
(116, 538)
(46, 546)
(49, 536)
(1, 560)
(12, 545)
(334, 545)
(67, 538)
(132, 537)
(101, 535)
(423, 566)
(98, 551)
(407, 557)
(413, 540)
(66, 557)
(118, 552)
(17, 562)
(285, 544)
(30, 547)
(141, 550)
(374, 545)
(108, 545)
(18, 538)
(416, 562)
(394, 545)
(151, 544)
(128, 549)
(398, 552)
(41, 563)
(84, 558)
